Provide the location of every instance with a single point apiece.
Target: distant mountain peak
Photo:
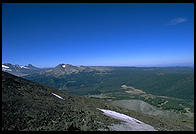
(30, 65)
(7, 64)
(64, 65)
(24, 67)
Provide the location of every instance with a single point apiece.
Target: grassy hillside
(30, 106)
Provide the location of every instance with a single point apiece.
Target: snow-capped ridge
(3, 66)
(6, 68)
(24, 67)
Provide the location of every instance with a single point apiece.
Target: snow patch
(134, 124)
(24, 67)
(63, 66)
(57, 96)
(5, 66)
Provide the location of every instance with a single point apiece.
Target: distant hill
(167, 81)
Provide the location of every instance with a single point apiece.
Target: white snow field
(63, 66)
(3, 66)
(129, 124)
(57, 96)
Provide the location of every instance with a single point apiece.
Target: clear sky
(117, 34)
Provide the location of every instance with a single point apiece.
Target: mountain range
(20, 70)
(59, 70)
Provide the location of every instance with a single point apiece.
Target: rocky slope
(30, 106)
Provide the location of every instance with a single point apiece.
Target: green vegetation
(170, 105)
(175, 82)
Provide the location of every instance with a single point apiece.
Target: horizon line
(191, 65)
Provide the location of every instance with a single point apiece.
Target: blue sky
(117, 34)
